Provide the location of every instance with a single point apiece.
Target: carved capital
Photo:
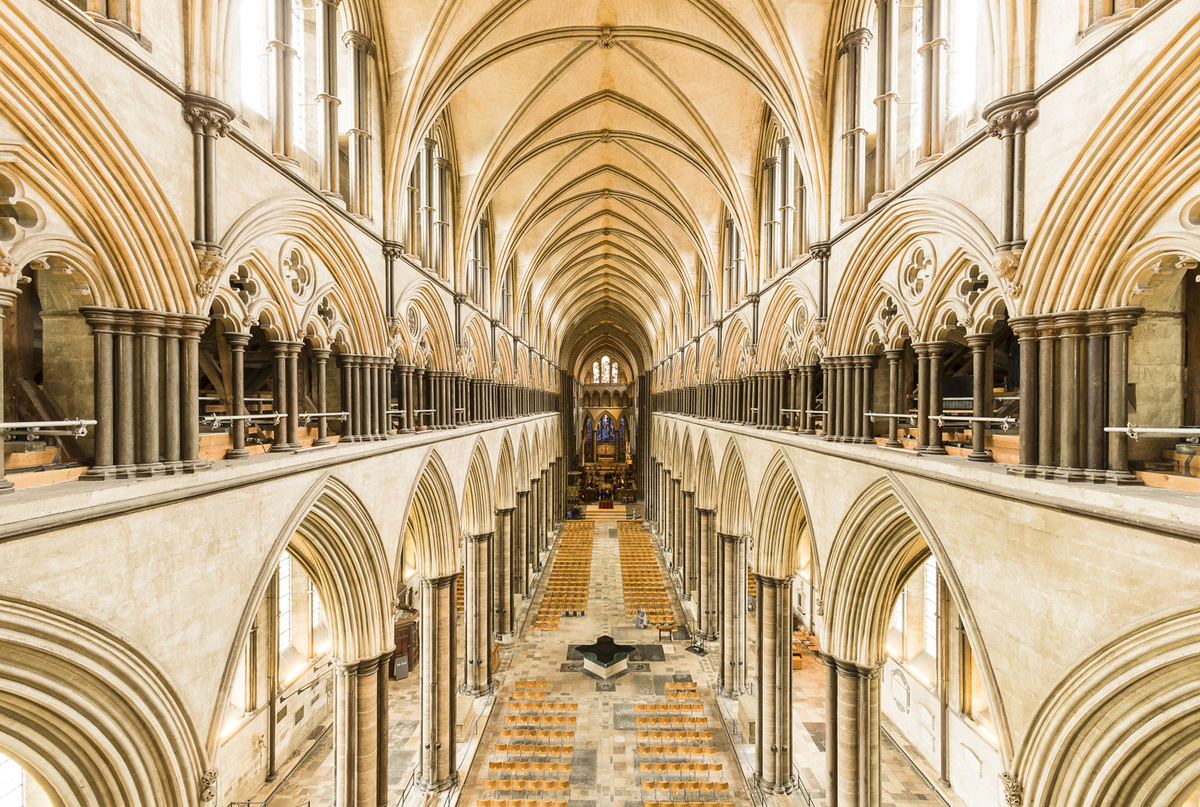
(820, 251)
(208, 786)
(393, 250)
(212, 265)
(1011, 115)
(207, 115)
(356, 41)
(860, 37)
(1014, 793)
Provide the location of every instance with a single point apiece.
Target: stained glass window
(605, 367)
(595, 372)
(614, 372)
(607, 432)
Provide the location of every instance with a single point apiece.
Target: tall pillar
(327, 48)
(1025, 329)
(534, 522)
(707, 590)
(172, 397)
(321, 362)
(7, 297)
(895, 397)
(102, 323)
(981, 367)
(848, 732)
(293, 393)
(886, 103)
(437, 769)
(733, 615)
(831, 731)
(149, 337)
(520, 552)
(478, 602)
(359, 739)
(503, 568)
(1120, 323)
(678, 528)
(1047, 339)
(936, 359)
(1070, 342)
(773, 728)
(690, 552)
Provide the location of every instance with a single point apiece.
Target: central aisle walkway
(605, 763)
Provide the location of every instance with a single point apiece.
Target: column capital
(1011, 115)
(859, 37)
(480, 538)
(501, 511)
(206, 115)
(979, 341)
(443, 581)
(1124, 318)
(1070, 323)
(358, 41)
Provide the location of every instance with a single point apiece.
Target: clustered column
(437, 770)
(146, 375)
(478, 603)
(503, 552)
(1074, 374)
(690, 553)
(520, 560)
(733, 614)
(7, 297)
(708, 590)
(361, 733)
(773, 728)
(852, 733)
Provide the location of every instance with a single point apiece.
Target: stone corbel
(208, 786)
(212, 266)
(1014, 792)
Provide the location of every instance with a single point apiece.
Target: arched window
(595, 372)
(254, 66)
(605, 367)
(479, 265)
(734, 254)
(615, 377)
(430, 202)
(784, 200)
(964, 56)
(283, 611)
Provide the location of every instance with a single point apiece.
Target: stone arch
(1120, 728)
(524, 462)
(706, 475)
(734, 513)
(478, 512)
(90, 717)
(432, 520)
(506, 476)
(687, 464)
(782, 524)
(880, 542)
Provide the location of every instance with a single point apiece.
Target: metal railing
(1005, 423)
(58, 428)
(1135, 432)
(216, 420)
(311, 416)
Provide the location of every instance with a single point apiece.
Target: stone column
(327, 126)
(1095, 396)
(1047, 338)
(503, 568)
(1025, 329)
(888, 27)
(923, 396)
(7, 296)
(690, 552)
(854, 139)
(102, 323)
(773, 727)
(437, 765)
(406, 398)
(320, 362)
(478, 603)
(520, 552)
(293, 394)
(981, 367)
(360, 733)
(172, 397)
(149, 327)
(846, 751)
(895, 397)
(535, 522)
(1070, 329)
(679, 527)
(733, 615)
(417, 394)
(279, 393)
(854, 421)
(1120, 323)
(707, 589)
(936, 358)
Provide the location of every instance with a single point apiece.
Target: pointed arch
(687, 463)
(880, 543)
(734, 513)
(431, 522)
(506, 475)
(782, 528)
(706, 475)
(1121, 727)
(478, 512)
(89, 716)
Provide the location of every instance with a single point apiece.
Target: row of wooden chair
(667, 708)
(567, 589)
(680, 769)
(671, 721)
(683, 696)
(538, 769)
(545, 735)
(519, 803)
(539, 720)
(689, 790)
(694, 737)
(528, 785)
(679, 752)
(536, 751)
(684, 804)
(681, 686)
(522, 702)
(520, 685)
(641, 577)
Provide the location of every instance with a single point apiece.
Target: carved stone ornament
(208, 786)
(605, 135)
(819, 252)
(1005, 263)
(1014, 793)
(7, 267)
(607, 40)
(1010, 121)
(212, 264)
(395, 326)
(207, 115)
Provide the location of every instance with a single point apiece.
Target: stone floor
(605, 770)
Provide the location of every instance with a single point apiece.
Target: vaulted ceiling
(607, 137)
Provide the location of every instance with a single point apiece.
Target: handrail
(216, 420)
(1005, 423)
(755, 796)
(330, 415)
(888, 415)
(1135, 432)
(77, 427)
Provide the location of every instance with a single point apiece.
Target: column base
(933, 451)
(148, 469)
(505, 638)
(321, 442)
(236, 454)
(1026, 471)
(1070, 474)
(772, 788)
(6, 486)
(474, 692)
(284, 447)
(439, 786)
(981, 456)
(97, 473)
(407, 431)
(1123, 478)
(733, 693)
